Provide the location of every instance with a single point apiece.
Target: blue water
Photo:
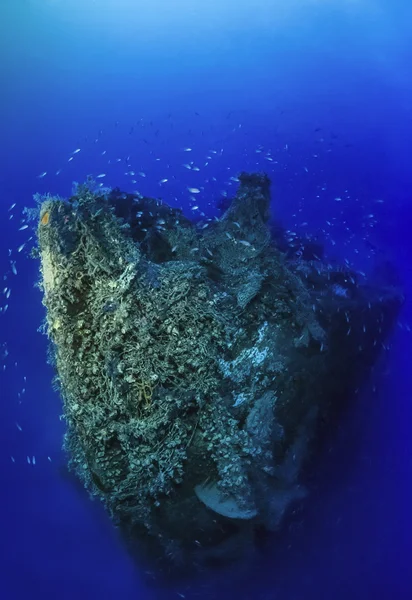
(316, 93)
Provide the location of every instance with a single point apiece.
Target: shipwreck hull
(198, 363)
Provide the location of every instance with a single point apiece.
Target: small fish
(101, 175)
(142, 174)
(193, 190)
(19, 427)
(186, 166)
(20, 248)
(245, 243)
(58, 171)
(23, 227)
(195, 208)
(76, 151)
(163, 181)
(187, 149)
(13, 267)
(42, 175)
(12, 206)
(70, 159)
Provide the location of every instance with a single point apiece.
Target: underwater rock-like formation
(196, 363)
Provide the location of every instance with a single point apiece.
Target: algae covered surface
(197, 363)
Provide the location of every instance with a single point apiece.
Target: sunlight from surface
(164, 16)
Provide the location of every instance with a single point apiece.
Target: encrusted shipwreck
(196, 363)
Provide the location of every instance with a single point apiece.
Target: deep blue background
(323, 88)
